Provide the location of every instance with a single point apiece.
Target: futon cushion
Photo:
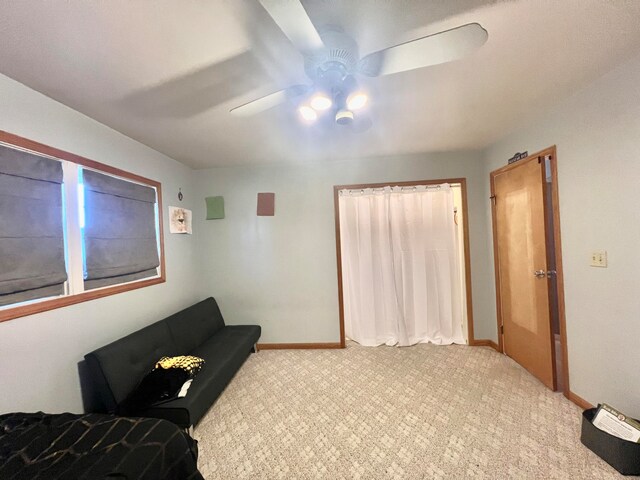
(242, 337)
(159, 385)
(192, 326)
(224, 354)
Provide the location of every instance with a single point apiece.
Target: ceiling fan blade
(293, 20)
(434, 49)
(269, 101)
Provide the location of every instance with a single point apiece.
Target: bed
(38, 446)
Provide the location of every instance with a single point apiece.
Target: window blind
(32, 262)
(120, 230)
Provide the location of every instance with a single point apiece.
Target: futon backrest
(193, 326)
(117, 368)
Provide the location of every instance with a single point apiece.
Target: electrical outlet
(599, 258)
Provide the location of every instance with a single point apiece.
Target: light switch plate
(599, 258)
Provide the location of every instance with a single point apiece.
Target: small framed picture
(180, 220)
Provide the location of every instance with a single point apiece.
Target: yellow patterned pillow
(188, 363)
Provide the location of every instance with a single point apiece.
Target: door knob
(540, 274)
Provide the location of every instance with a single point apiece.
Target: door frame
(465, 228)
(555, 202)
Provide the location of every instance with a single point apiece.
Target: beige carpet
(423, 412)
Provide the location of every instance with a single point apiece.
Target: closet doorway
(528, 267)
(399, 244)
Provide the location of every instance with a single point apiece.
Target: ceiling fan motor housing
(336, 60)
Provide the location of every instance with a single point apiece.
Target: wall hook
(180, 196)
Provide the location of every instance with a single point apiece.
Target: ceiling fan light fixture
(320, 102)
(344, 117)
(307, 113)
(357, 100)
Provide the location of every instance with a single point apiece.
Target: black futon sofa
(117, 368)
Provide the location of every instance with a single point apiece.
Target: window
(119, 238)
(32, 260)
(72, 229)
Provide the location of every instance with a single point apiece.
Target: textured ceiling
(166, 72)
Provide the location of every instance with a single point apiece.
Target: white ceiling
(166, 72)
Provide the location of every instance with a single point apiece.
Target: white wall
(280, 272)
(597, 132)
(39, 354)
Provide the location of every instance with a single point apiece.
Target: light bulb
(307, 113)
(320, 102)
(357, 100)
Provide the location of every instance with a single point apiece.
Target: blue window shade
(120, 232)
(32, 251)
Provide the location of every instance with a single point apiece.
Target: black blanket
(38, 446)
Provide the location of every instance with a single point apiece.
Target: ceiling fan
(332, 63)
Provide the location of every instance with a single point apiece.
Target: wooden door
(519, 195)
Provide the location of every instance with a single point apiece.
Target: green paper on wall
(215, 207)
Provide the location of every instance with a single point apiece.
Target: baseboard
(581, 402)
(297, 346)
(485, 343)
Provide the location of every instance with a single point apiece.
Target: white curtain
(400, 266)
